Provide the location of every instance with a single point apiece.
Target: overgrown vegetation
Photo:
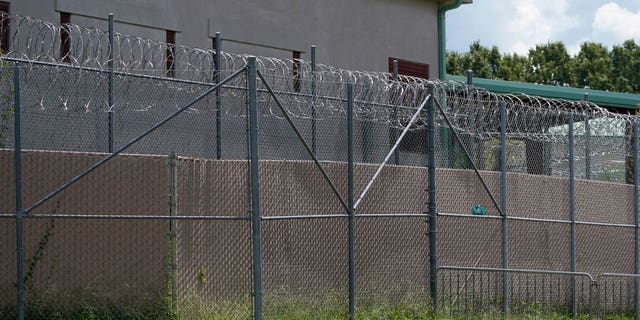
(95, 304)
(34, 261)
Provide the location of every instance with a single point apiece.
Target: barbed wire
(71, 63)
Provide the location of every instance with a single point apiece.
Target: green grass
(88, 304)
(92, 306)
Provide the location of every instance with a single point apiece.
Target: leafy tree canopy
(594, 66)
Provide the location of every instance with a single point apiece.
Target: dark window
(65, 39)
(4, 33)
(410, 68)
(296, 71)
(416, 138)
(171, 47)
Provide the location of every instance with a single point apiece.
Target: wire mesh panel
(192, 133)
(91, 253)
(74, 268)
(305, 268)
(617, 296)
(53, 96)
(304, 255)
(471, 293)
(477, 293)
(539, 245)
(212, 250)
(469, 241)
(602, 249)
(68, 258)
(525, 191)
(606, 149)
(392, 266)
(212, 276)
(8, 293)
(614, 208)
(8, 230)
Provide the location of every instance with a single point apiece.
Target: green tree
(625, 73)
(551, 64)
(514, 67)
(454, 63)
(483, 61)
(593, 67)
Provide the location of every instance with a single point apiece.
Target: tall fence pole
(19, 209)
(350, 187)
(111, 73)
(431, 143)
(471, 150)
(314, 100)
(572, 213)
(636, 214)
(216, 61)
(503, 204)
(255, 189)
(587, 143)
(396, 155)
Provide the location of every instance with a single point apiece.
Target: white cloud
(537, 22)
(517, 26)
(614, 24)
(574, 47)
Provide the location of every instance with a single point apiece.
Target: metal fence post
(314, 99)
(111, 73)
(471, 150)
(396, 155)
(19, 209)
(433, 261)
(636, 214)
(255, 189)
(587, 143)
(572, 213)
(503, 204)
(350, 187)
(216, 61)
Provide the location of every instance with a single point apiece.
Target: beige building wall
(356, 34)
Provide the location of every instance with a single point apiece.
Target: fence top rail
(617, 275)
(529, 271)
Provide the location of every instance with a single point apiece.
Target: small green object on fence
(478, 210)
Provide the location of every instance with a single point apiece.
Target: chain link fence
(145, 180)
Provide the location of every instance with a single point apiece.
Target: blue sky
(517, 25)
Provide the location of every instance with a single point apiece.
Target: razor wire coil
(74, 60)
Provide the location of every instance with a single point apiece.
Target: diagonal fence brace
(391, 152)
(132, 141)
(306, 145)
(468, 155)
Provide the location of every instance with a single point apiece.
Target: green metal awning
(601, 98)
